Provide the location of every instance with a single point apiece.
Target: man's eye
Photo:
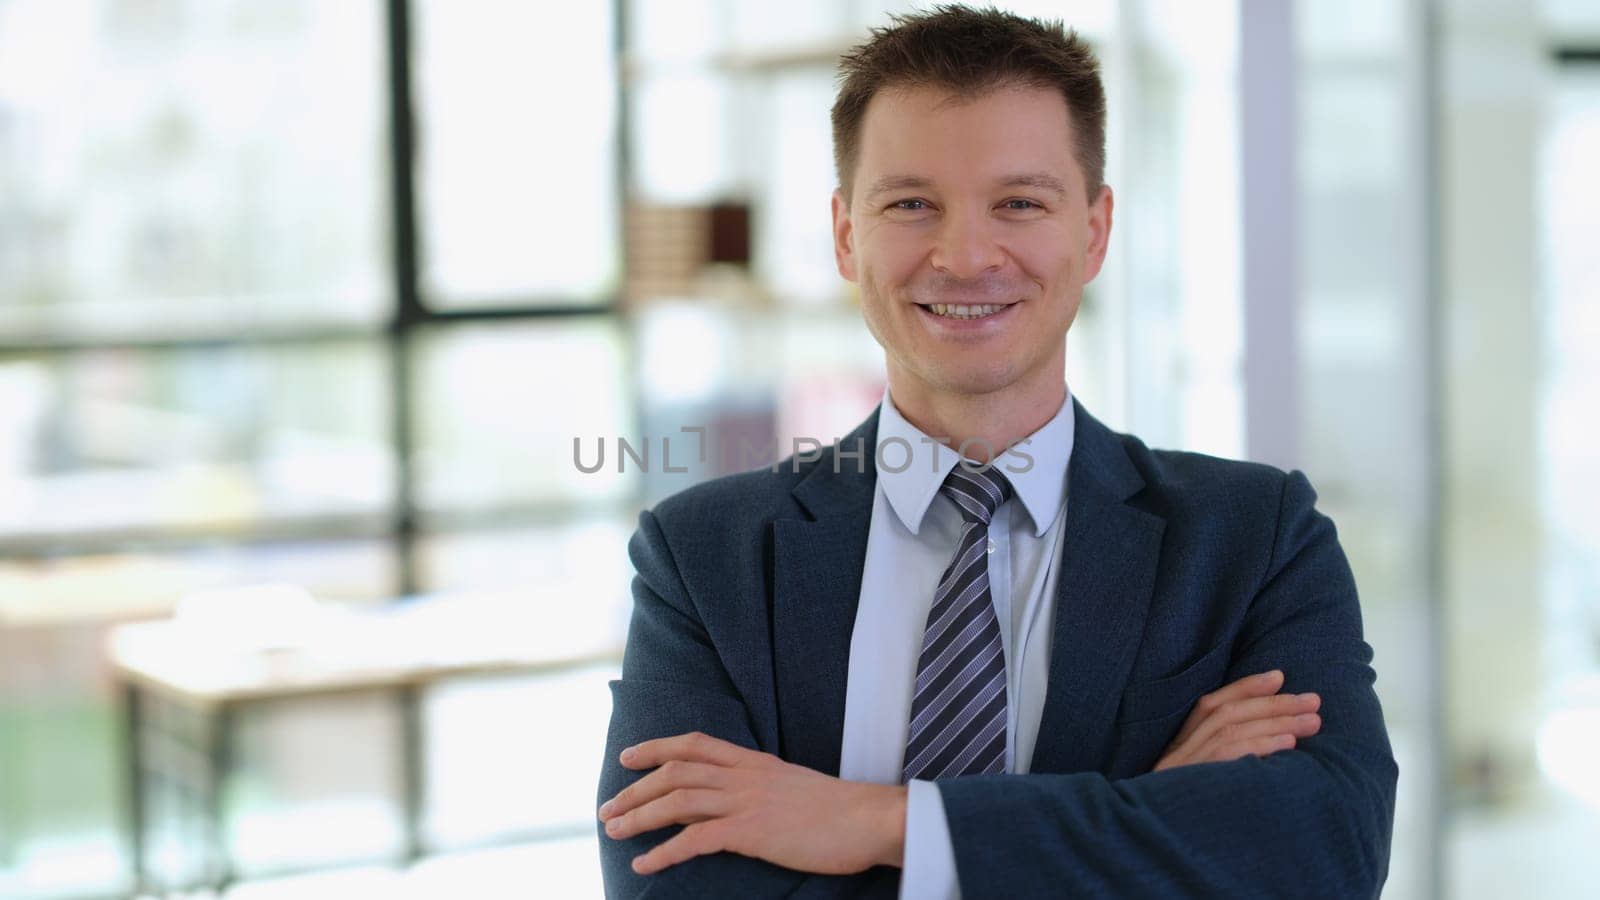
(910, 205)
(1022, 204)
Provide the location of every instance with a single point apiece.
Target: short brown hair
(972, 52)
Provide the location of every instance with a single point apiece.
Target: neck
(988, 422)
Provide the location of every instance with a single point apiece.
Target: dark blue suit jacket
(1181, 573)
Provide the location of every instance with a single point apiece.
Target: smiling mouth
(964, 311)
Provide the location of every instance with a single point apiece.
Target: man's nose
(966, 246)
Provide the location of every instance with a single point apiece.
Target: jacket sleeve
(673, 682)
(1314, 821)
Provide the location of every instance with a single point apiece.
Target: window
(235, 346)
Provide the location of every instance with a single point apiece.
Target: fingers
(685, 806)
(694, 746)
(1243, 733)
(1264, 684)
(1252, 709)
(1245, 717)
(1257, 746)
(699, 839)
(673, 775)
(686, 787)
(1260, 735)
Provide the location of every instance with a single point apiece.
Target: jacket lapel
(1108, 560)
(816, 588)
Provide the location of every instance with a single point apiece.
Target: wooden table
(183, 683)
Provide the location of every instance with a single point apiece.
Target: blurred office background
(252, 333)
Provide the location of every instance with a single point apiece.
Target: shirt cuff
(930, 858)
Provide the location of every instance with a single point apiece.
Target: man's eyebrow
(1036, 180)
(896, 183)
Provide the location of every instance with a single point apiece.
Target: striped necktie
(958, 710)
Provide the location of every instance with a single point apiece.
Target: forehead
(938, 135)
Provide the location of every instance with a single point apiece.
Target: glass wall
(251, 333)
(1364, 313)
(1517, 114)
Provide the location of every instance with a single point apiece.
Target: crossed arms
(1312, 821)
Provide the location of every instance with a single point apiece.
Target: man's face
(970, 234)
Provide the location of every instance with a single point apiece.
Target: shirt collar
(912, 466)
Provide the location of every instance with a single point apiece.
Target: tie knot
(977, 493)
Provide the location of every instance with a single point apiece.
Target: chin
(974, 379)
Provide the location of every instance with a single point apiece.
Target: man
(984, 646)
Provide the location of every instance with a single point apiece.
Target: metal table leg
(411, 766)
(136, 809)
(219, 861)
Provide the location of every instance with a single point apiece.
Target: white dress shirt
(913, 535)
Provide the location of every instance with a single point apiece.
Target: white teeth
(954, 311)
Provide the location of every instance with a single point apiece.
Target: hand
(1246, 718)
(754, 804)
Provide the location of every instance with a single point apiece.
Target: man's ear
(844, 234)
(1099, 233)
